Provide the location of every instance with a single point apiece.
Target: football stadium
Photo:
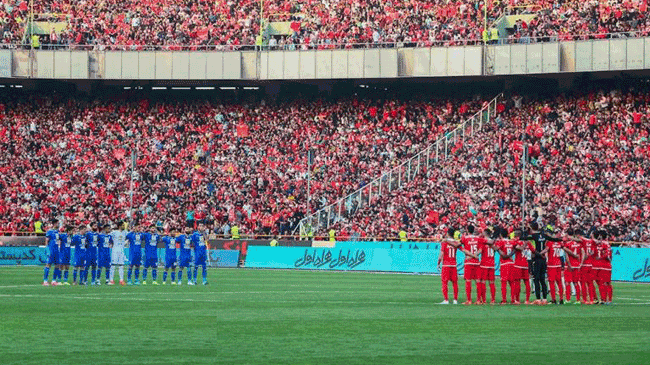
(324, 182)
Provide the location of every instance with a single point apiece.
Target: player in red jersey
(554, 252)
(586, 270)
(447, 264)
(603, 269)
(506, 250)
(473, 244)
(520, 270)
(486, 269)
(573, 249)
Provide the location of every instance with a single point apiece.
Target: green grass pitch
(303, 317)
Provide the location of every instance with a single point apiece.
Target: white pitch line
(640, 300)
(18, 286)
(77, 297)
(198, 300)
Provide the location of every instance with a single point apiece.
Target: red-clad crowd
(587, 168)
(70, 159)
(315, 24)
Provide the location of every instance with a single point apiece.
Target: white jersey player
(117, 253)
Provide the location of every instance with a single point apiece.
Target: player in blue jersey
(200, 253)
(170, 256)
(151, 255)
(135, 240)
(53, 248)
(65, 253)
(185, 257)
(79, 243)
(92, 237)
(104, 254)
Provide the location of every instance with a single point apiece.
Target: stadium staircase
(400, 175)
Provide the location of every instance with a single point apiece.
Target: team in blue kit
(79, 245)
(185, 243)
(65, 254)
(135, 240)
(89, 250)
(104, 254)
(53, 241)
(151, 241)
(92, 239)
(200, 254)
(170, 257)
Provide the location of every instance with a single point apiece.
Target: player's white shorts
(118, 257)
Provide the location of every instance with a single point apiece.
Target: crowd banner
(23, 255)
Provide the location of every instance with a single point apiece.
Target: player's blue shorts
(104, 259)
(79, 259)
(64, 256)
(185, 261)
(91, 257)
(170, 262)
(53, 256)
(199, 260)
(135, 258)
(151, 262)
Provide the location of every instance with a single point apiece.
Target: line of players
(588, 260)
(97, 248)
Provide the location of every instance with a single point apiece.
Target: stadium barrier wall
(37, 255)
(22, 240)
(629, 264)
(368, 63)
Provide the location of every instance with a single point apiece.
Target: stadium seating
(587, 167)
(232, 162)
(184, 24)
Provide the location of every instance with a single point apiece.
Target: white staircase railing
(400, 175)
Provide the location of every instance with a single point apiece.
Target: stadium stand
(239, 162)
(306, 24)
(587, 167)
(70, 157)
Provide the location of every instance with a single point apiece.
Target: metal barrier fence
(398, 176)
(324, 45)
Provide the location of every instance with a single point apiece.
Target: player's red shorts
(486, 273)
(572, 275)
(555, 274)
(604, 276)
(587, 273)
(505, 272)
(518, 273)
(471, 272)
(449, 273)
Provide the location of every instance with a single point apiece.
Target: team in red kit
(575, 264)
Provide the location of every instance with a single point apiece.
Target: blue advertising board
(361, 259)
(224, 258)
(36, 255)
(25, 255)
(629, 264)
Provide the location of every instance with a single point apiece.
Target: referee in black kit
(539, 261)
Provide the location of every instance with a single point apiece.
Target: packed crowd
(70, 159)
(177, 24)
(587, 166)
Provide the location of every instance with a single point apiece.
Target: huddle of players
(94, 250)
(588, 260)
